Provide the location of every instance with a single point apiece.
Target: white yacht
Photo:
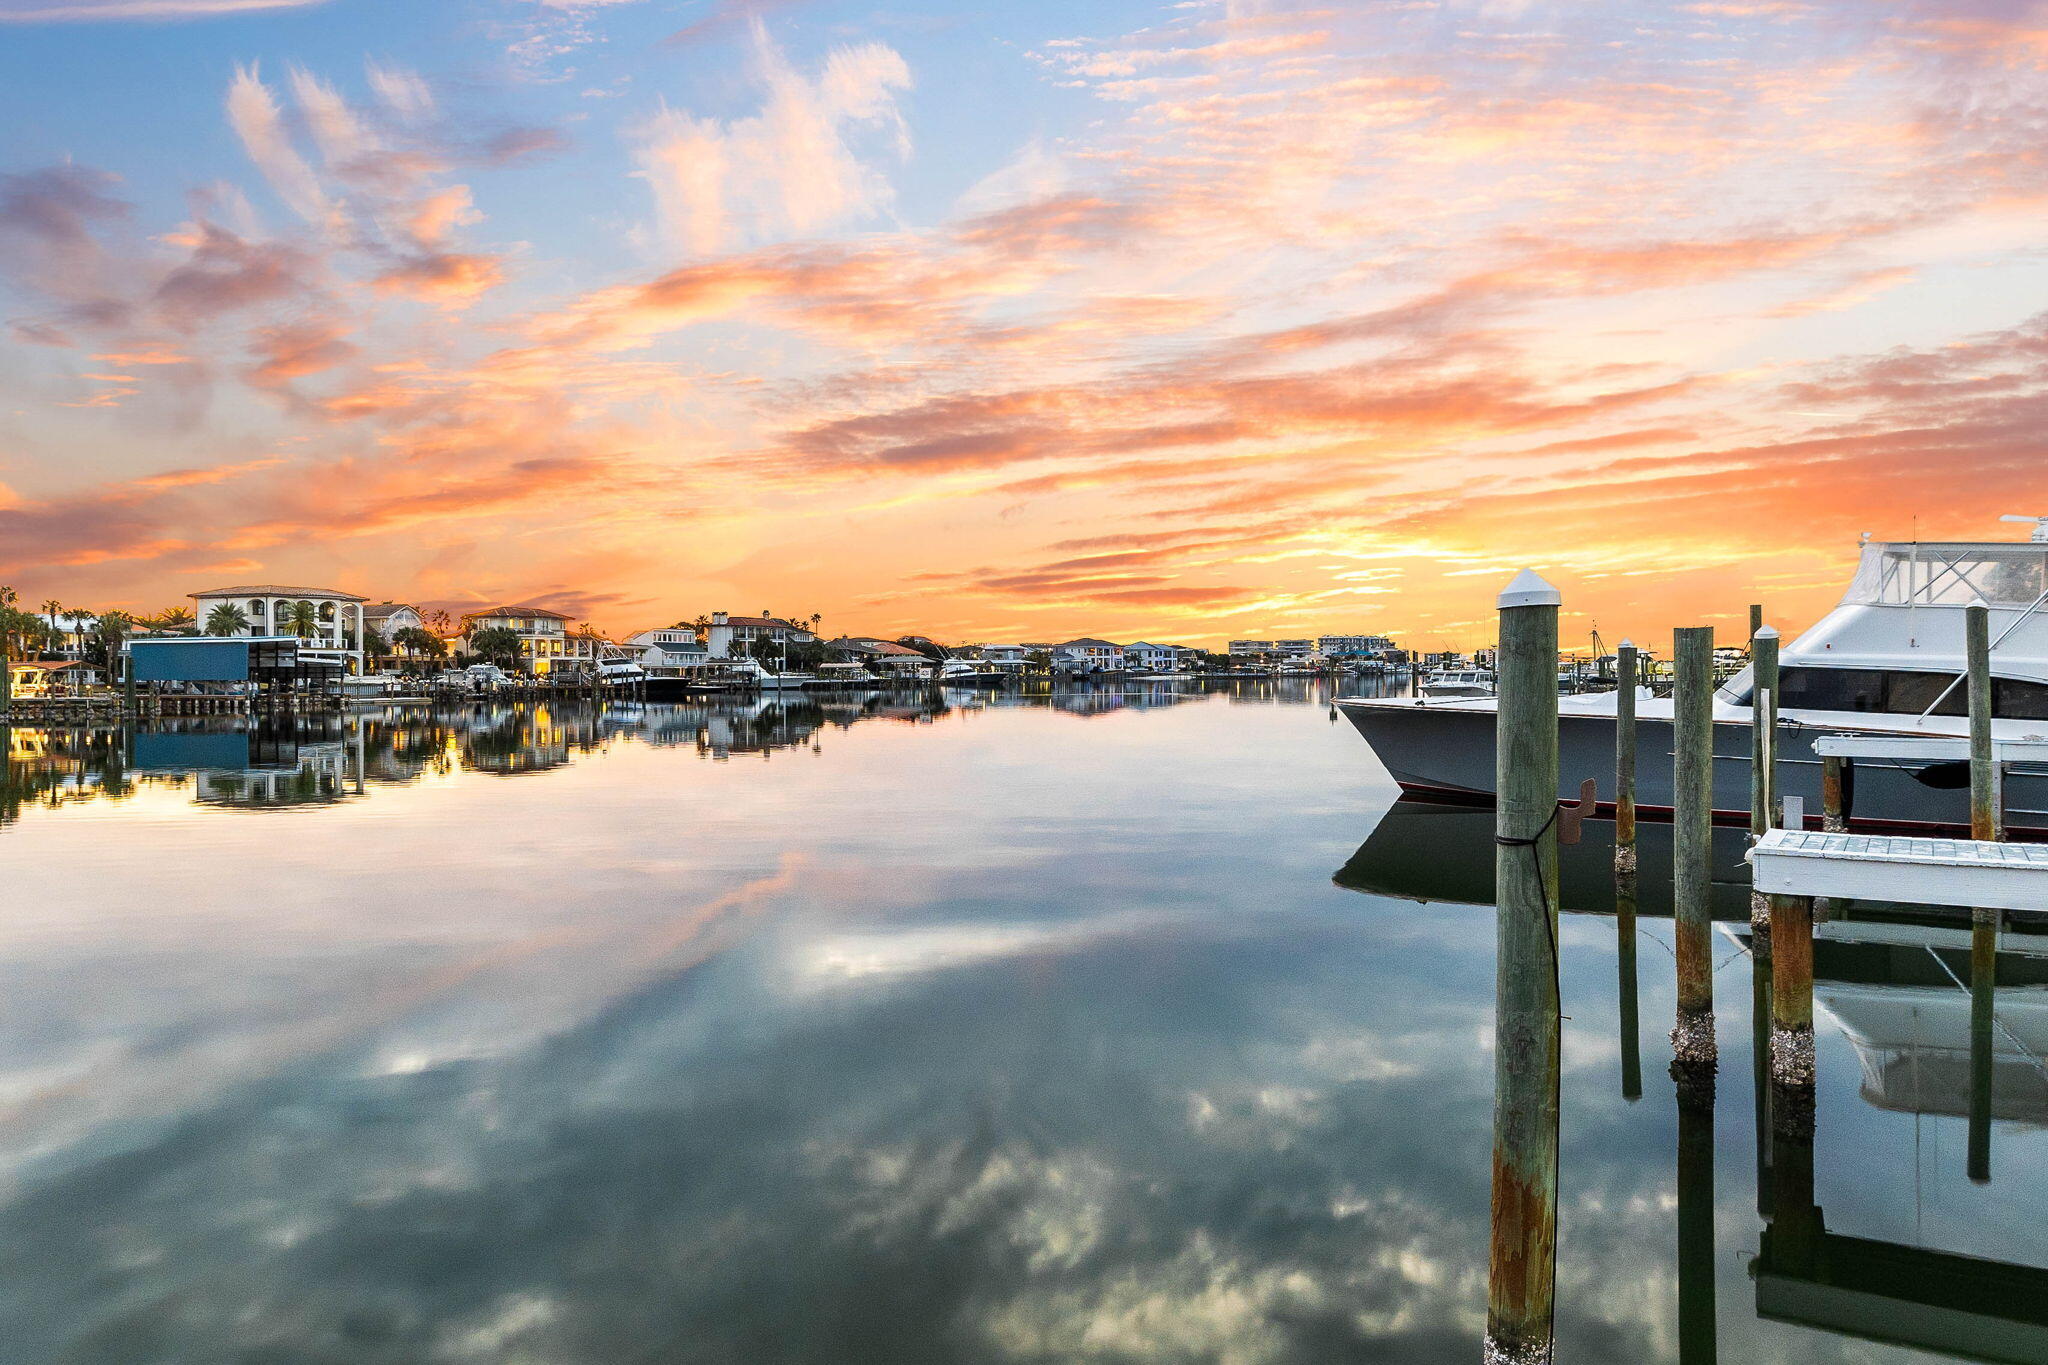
(1457, 682)
(1887, 659)
(752, 673)
(969, 673)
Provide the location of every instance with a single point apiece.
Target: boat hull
(1447, 753)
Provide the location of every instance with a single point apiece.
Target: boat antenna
(2040, 533)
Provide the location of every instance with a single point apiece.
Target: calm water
(1136, 1026)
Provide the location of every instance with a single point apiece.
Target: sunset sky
(998, 321)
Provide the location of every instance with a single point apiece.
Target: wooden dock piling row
(1522, 1265)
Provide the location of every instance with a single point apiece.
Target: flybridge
(1949, 574)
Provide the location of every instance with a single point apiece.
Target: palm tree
(303, 618)
(226, 619)
(173, 618)
(499, 644)
(8, 597)
(415, 641)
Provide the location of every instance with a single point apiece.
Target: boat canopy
(1949, 574)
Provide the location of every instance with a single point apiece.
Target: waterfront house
(1144, 657)
(388, 618)
(882, 656)
(1250, 649)
(545, 640)
(334, 632)
(1008, 658)
(734, 636)
(670, 651)
(1089, 654)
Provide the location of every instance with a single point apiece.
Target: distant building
(1354, 646)
(545, 641)
(272, 609)
(730, 636)
(1250, 649)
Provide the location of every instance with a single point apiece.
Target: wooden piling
(1792, 1013)
(1984, 813)
(1983, 987)
(1523, 1260)
(1834, 793)
(1763, 752)
(1625, 759)
(1692, 1039)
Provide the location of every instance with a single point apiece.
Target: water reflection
(327, 758)
(1942, 1019)
(896, 1027)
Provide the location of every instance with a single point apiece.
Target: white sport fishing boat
(1887, 660)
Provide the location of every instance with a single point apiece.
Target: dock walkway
(1964, 873)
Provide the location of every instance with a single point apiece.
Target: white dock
(1966, 873)
(1926, 748)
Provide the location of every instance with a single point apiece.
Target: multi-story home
(1250, 649)
(1090, 654)
(1354, 646)
(1294, 649)
(732, 636)
(1146, 657)
(670, 651)
(331, 623)
(545, 641)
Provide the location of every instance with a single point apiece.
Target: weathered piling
(1522, 1265)
(1692, 818)
(1696, 1225)
(1834, 793)
(1792, 1013)
(1984, 813)
(1625, 759)
(1625, 973)
(1983, 988)
(1763, 753)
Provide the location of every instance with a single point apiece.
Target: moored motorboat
(1887, 659)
